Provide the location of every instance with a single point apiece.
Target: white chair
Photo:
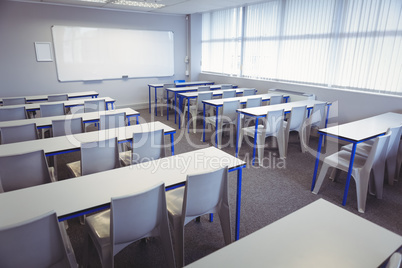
(316, 119)
(24, 170)
(296, 123)
(58, 97)
(96, 157)
(195, 109)
(361, 168)
(14, 101)
(203, 194)
(272, 127)
(204, 88)
(15, 113)
(226, 86)
(55, 109)
(364, 148)
(147, 146)
(94, 105)
(228, 116)
(115, 120)
(19, 133)
(395, 260)
(249, 91)
(162, 99)
(37, 242)
(65, 127)
(275, 99)
(251, 102)
(230, 93)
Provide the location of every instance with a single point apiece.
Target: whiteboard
(84, 53)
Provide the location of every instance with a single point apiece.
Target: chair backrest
(254, 102)
(203, 193)
(94, 105)
(15, 113)
(65, 127)
(59, 97)
(115, 120)
(18, 133)
(297, 117)
(37, 242)
(275, 99)
(52, 109)
(229, 113)
(23, 170)
(317, 116)
(201, 97)
(204, 88)
(274, 121)
(137, 216)
(378, 151)
(99, 156)
(148, 146)
(231, 93)
(249, 91)
(14, 101)
(226, 86)
(165, 86)
(393, 144)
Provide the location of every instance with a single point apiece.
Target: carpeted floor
(269, 192)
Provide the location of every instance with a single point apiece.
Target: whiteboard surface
(84, 53)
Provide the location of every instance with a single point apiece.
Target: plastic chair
(94, 105)
(162, 99)
(399, 161)
(273, 126)
(364, 148)
(58, 97)
(37, 242)
(204, 88)
(251, 102)
(227, 117)
(115, 120)
(96, 157)
(196, 108)
(395, 260)
(24, 170)
(130, 219)
(52, 109)
(14, 101)
(226, 86)
(316, 119)
(231, 93)
(275, 99)
(19, 133)
(296, 123)
(15, 113)
(203, 194)
(147, 146)
(249, 91)
(65, 127)
(361, 168)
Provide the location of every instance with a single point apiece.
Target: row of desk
(72, 95)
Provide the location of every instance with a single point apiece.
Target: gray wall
(22, 24)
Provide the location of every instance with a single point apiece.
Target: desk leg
(188, 116)
(255, 140)
(352, 159)
(172, 142)
(149, 98)
(175, 107)
(180, 100)
(167, 104)
(317, 162)
(238, 202)
(203, 125)
(237, 134)
(216, 127)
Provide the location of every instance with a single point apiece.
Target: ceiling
(171, 6)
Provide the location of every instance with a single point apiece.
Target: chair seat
(174, 201)
(362, 149)
(75, 168)
(99, 223)
(125, 158)
(249, 131)
(341, 160)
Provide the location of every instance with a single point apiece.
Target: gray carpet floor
(269, 192)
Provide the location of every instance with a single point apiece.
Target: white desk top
(71, 142)
(194, 94)
(317, 235)
(73, 195)
(366, 128)
(243, 99)
(181, 89)
(47, 121)
(263, 110)
(185, 84)
(70, 95)
(69, 103)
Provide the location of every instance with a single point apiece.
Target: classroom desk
(89, 193)
(72, 143)
(70, 103)
(185, 84)
(219, 103)
(356, 132)
(73, 95)
(194, 94)
(318, 235)
(176, 90)
(92, 117)
(260, 112)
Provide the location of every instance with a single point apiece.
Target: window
(336, 43)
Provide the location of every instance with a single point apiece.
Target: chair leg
(321, 177)
(240, 140)
(166, 242)
(391, 170)
(224, 217)
(361, 190)
(281, 145)
(334, 174)
(260, 148)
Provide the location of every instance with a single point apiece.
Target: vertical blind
(336, 43)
